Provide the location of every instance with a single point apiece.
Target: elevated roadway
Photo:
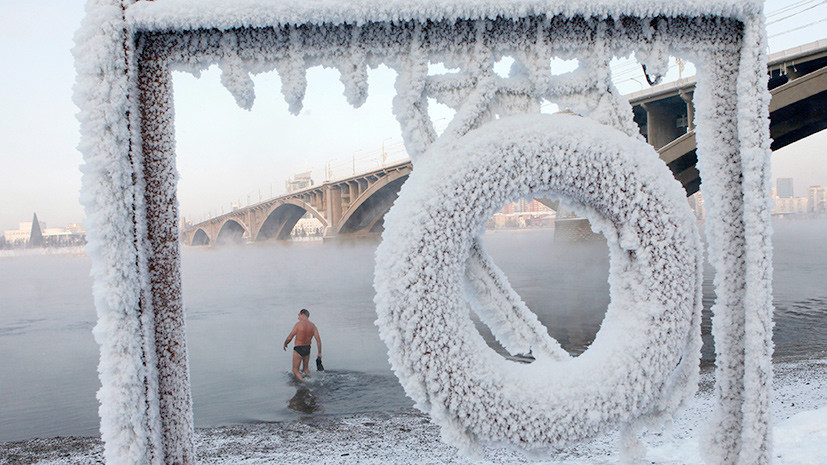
(798, 84)
(356, 205)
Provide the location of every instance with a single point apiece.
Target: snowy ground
(800, 409)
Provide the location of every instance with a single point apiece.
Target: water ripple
(20, 326)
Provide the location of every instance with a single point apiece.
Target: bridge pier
(334, 205)
(666, 120)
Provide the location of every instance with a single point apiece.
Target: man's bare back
(304, 331)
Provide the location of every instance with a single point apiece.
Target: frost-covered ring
(645, 356)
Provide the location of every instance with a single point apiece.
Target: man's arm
(318, 340)
(291, 335)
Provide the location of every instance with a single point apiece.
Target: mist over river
(241, 303)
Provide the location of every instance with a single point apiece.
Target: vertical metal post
(162, 250)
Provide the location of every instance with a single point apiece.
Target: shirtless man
(303, 331)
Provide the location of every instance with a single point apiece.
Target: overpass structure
(797, 83)
(356, 205)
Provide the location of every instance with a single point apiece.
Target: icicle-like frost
(654, 56)
(354, 72)
(234, 75)
(354, 76)
(293, 73)
(427, 250)
(238, 82)
(410, 105)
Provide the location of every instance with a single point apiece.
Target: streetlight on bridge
(354, 160)
(385, 154)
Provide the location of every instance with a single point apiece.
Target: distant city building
(75, 228)
(35, 234)
(696, 203)
(523, 214)
(817, 199)
(535, 206)
(525, 206)
(22, 235)
(183, 223)
(784, 203)
(790, 206)
(19, 236)
(522, 206)
(308, 226)
(300, 181)
(784, 188)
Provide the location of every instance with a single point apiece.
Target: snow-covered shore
(800, 431)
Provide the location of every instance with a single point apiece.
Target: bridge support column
(690, 109)
(662, 124)
(333, 213)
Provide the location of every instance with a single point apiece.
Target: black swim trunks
(304, 351)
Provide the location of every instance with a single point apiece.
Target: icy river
(241, 303)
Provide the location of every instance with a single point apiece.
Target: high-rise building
(817, 199)
(792, 206)
(696, 203)
(784, 188)
(535, 206)
(299, 182)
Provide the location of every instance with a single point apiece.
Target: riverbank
(800, 432)
(75, 250)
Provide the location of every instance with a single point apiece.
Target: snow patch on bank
(799, 414)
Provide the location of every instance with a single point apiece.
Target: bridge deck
(798, 84)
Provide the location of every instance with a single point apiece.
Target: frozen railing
(126, 51)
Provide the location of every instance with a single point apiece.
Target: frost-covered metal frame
(124, 90)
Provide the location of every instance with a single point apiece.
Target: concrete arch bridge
(356, 205)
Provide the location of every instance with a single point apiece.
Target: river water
(242, 302)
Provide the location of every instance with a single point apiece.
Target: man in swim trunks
(304, 331)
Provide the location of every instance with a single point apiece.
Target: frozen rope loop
(644, 360)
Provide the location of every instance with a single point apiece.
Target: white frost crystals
(424, 312)
(432, 261)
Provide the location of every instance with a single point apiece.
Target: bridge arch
(306, 206)
(282, 218)
(200, 237)
(368, 211)
(232, 231)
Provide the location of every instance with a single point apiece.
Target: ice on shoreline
(799, 411)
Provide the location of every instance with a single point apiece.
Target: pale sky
(226, 154)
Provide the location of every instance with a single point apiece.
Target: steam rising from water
(241, 301)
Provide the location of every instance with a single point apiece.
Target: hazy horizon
(226, 154)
